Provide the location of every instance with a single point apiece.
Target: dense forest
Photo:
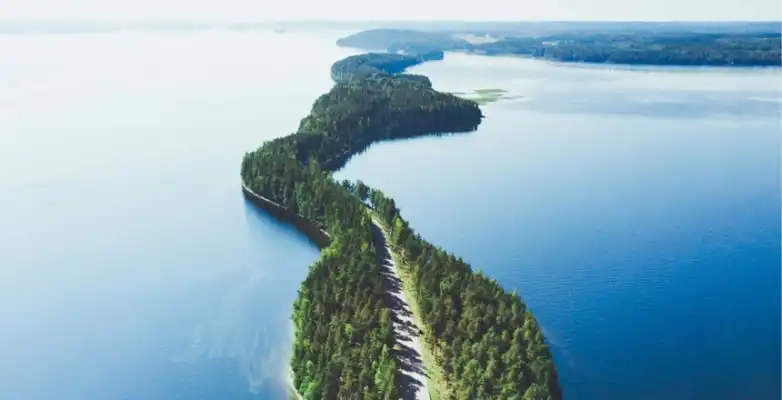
(487, 340)
(644, 47)
(381, 64)
(344, 335)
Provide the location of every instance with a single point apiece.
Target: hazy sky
(396, 9)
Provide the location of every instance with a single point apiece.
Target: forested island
(485, 340)
(682, 47)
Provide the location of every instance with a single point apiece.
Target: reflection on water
(230, 329)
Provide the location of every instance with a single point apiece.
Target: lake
(131, 267)
(635, 210)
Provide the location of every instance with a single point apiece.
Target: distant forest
(757, 47)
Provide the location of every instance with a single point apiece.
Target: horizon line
(385, 21)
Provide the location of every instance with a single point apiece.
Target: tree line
(344, 335)
(673, 49)
(487, 340)
(489, 344)
(684, 46)
(367, 65)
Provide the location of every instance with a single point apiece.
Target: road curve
(413, 382)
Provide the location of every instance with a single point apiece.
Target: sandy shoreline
(407, 333)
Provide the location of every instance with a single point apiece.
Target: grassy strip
(485, 96)
(490, 91)
(438, 386)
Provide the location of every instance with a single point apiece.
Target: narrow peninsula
(483, 341)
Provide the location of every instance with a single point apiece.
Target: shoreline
(432, 113)
(289, 378)
(322, 239)
(314, 233)
(613, 65)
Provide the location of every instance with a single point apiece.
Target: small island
(480, 340)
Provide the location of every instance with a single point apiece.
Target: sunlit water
(130, 265)
(636, 211)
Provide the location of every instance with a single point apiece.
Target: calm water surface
(636, 210)
(130, 265)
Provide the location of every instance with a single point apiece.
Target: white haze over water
(130, 266)
(601, 10)
(93, 81)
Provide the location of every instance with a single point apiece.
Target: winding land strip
(408, 347)
(413, 383)
(349, 118)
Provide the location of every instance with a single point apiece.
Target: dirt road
(413, 385)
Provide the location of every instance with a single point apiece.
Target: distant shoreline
(628, 46)
(625, 67)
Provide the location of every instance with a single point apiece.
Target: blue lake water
(635, 210)
(130, 265)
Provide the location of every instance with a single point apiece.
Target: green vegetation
(626, 46)
(486, 341)
(672, 49)
(344, 333)
(486, 96)
(381, 65)
(383, 39)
